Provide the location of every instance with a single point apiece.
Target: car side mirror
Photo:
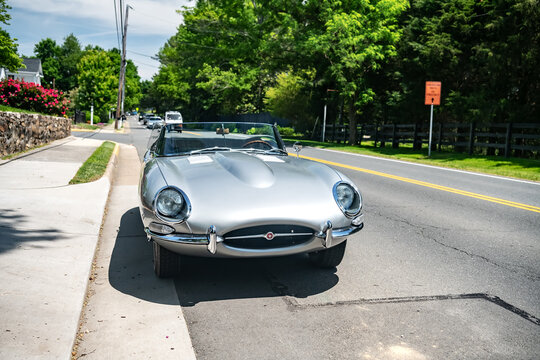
(149, 155)
(297, 147)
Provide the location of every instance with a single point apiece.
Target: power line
(141, 63)
(116, 20)
(151, 57)
(157, 18)
(121, 2)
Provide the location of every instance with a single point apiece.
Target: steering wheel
(257, 142)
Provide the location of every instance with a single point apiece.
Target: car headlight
(172, 205)
(348, 199)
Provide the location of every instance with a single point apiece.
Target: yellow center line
(430, 185)
(192, 133)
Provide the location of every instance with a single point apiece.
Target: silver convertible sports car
(231, 190)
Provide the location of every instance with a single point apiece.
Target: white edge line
(431, 166)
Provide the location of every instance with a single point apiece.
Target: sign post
(324, 117)
(324, 124)
(432, 97)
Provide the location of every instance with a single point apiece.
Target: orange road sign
(433, 93)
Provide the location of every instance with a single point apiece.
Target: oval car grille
(268, 236)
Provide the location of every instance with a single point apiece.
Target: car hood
(235, 189)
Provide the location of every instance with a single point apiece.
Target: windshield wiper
(273, 151)
(211, 149)
(276, 151)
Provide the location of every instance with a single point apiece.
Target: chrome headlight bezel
(182, 215)
(357, 200)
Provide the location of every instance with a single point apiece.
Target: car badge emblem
(269, 236)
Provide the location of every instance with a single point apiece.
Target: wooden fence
(503, 139)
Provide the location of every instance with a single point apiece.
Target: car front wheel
(166, 263)
(328, 258)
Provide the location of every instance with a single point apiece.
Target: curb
(110, 167)
(84, 130)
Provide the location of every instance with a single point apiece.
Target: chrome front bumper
(211, 244)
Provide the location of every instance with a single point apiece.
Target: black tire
(166, 263)
(328, 258)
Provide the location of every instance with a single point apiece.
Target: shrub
(33, 97)
(96, 117)
(288, 132)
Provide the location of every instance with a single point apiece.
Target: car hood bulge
(234, 189)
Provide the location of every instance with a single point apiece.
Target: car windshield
(201, 138)
(173, 116)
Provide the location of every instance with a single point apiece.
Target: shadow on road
(207, 279)
(12, 237)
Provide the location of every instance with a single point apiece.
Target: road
(448, 266)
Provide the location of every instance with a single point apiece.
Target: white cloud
(150, 17)
(150, 24)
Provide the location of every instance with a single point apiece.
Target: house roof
(32, 66)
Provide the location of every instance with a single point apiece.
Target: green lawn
(95, 166)
(512, 167)
(85, 126)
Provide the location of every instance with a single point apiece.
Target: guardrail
(504, 139)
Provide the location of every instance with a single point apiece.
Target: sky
(150, 24)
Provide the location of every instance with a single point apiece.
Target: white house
(33, 73)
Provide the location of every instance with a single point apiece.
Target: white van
(173, 117)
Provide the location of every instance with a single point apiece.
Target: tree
(215, 60)
(98, 82)
(357, 38)
(8, 46)
(485, 53)
(133, 93)
(69, 56)
(291, 98)
(59, 63)
(49, 52)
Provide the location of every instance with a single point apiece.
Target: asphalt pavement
(446, 267)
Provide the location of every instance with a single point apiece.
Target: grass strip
(527, 169)
(94, 167)
(85, 126)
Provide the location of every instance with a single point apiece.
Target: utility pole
(121, 80)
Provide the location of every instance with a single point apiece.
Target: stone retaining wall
(19, 132)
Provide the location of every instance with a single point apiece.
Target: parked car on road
(232, 190)
(144, 117)
(153, 121)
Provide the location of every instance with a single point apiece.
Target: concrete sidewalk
(48, 235)
(108, 128)
(130, 313)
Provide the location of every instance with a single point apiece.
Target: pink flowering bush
(33, 97)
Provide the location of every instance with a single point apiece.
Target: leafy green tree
(485, 53)
(59, 63)
(8, 46)
(215, 60)
(69, 56)
(49, 52)
(98, 82)
(291, 98)
(357, 38)
(133, 93)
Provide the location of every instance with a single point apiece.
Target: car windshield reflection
(199, 138)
